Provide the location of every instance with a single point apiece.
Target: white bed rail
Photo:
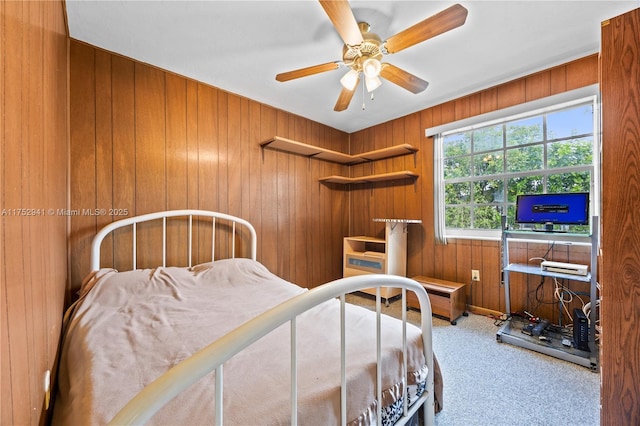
(146, 403)
(190, 214)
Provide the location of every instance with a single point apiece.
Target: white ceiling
(239, 46)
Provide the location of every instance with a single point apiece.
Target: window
(486, 166)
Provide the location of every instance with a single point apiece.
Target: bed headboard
(188, 215)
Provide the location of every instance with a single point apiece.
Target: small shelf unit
(287, 145)
(371, 255)
(295, 147)
(511, 330)
(343, 180)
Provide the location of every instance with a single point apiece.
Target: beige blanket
(130, 327)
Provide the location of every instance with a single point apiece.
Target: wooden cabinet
(370, 255)
(448, 298)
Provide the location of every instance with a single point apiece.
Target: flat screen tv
(571, 208)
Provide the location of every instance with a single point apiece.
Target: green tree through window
(486, 167)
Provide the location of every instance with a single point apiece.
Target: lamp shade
(349, 80)
(372, 83)
(371, 67)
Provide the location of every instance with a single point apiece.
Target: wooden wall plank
(33, 190)
(475, 104)
(511, 93)
(150, 159)
(177, 186)
(193, 151)
(478, 288)
(222, 186)
(583, 72)
(426, 265)
(176, 142)
(339, 208)
(6, 408)
(253, 169)
(620, 242)
(415, 232)
(314, 211)
(12, 226)
(491, 272)
(324, 211)
(399, 194)
(358, 193)
(55, 123)
(537, 85)
(283, 211)
(207, 166)
(558, 76)
(82, 148)
(33, 172)
(270, 210)
(300, 215)
(447, 112)
(462, 108)
(104, 148)
(245, 147)
(489, 100)
(124, 170)
(463, 266)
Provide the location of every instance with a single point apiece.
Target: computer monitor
(570, 208)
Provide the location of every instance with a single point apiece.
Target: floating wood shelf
(370, 178)
(294, 147)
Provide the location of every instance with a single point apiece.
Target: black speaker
(580, 330)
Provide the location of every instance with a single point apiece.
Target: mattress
(128, 328)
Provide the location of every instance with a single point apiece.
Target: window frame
(494, 234)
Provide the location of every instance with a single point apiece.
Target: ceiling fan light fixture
(372, 83)
(371, 67)
(350, 79)
(363, 50)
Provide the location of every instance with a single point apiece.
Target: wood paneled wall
(33, 175)
(455, 260)
(620, 306)
(145, 140)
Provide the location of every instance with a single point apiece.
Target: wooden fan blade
(341, 16)
(344, 99)
(402, 78)
(437, 24)
(304, 72)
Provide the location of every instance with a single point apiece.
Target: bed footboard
(212, 358)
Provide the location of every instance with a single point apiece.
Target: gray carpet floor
(491, 383)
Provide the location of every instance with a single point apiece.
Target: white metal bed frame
(152, 398)
(133, 221)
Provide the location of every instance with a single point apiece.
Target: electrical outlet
(475, 275)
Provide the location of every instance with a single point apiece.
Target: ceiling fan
(363, 50)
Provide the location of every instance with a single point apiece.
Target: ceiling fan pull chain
(363, 105)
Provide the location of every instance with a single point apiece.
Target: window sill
(472, 237)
